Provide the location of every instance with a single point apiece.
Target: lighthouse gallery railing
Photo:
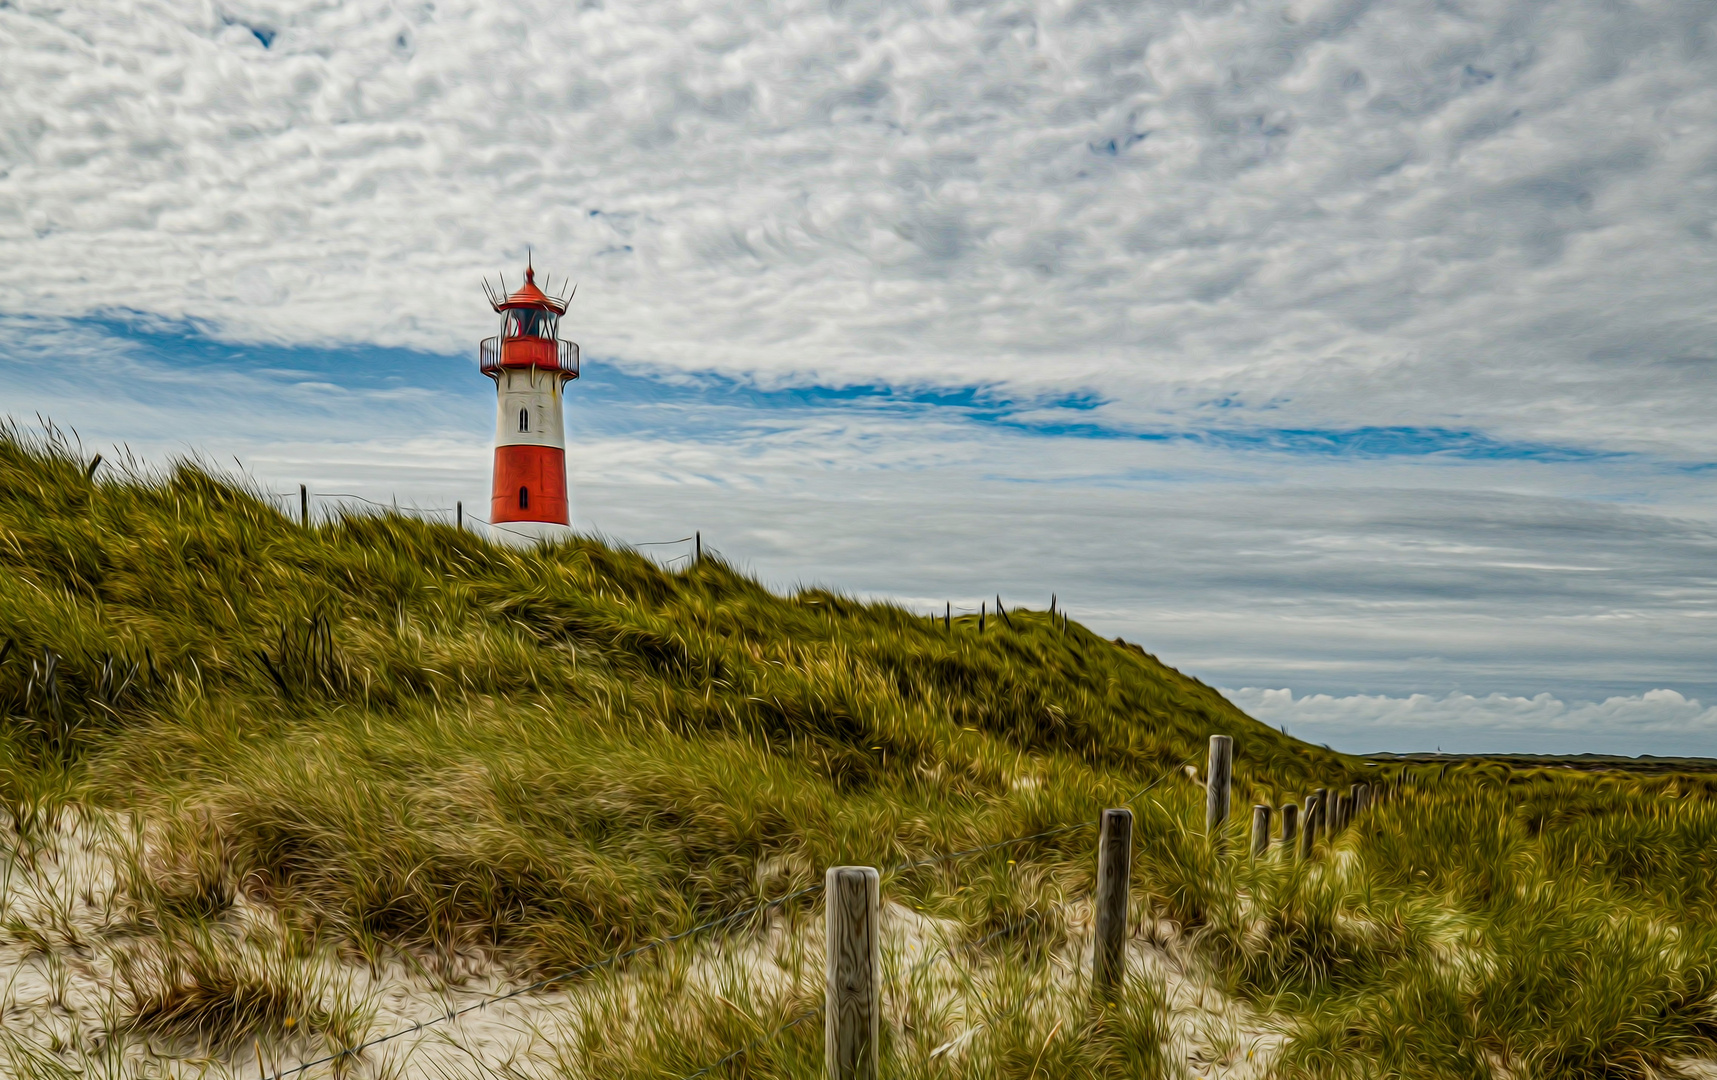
(489, 357)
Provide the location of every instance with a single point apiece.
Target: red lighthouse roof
(526, 296)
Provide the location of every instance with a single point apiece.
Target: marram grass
(407, 736)
(398, 739)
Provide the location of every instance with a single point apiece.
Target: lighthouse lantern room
(530, 364)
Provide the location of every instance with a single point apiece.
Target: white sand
(65, 933)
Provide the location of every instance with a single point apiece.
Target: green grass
(1466, 933)
(401, 740)
(409, 737)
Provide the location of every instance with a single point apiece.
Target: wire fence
(1058, 615)
(1327, 812)
(393, 507)
(307, 498)
(745, 914)
(1217, 773)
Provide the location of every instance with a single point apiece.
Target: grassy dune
(400, 742)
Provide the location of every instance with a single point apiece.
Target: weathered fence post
(459, 514)
(852, 1007)
(1290, 826)
(1218, 776)
(1260, 829)
(1320, 814)
(1309, 826)
(304, 506)
(1114, 872)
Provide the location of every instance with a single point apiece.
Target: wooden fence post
(1290, 826)
(1218, 776)
(303, 506)
(1309, 826)
(1260, 829)
(1114, 872)
(1321, 814)
(852, 1007)
(459, 514)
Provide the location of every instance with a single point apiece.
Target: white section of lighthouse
(529, 412)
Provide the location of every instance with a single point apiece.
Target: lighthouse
(530, 364)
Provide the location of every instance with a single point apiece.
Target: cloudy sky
(1357, 357)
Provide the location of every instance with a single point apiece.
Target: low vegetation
(322, 755)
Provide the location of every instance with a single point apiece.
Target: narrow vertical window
(524, 498)
(524, 419)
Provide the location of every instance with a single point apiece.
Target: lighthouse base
(529, 485)
(529, 533)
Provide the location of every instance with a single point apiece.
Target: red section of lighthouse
(530, 365)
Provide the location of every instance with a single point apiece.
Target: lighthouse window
(524, 498)
(530, 322)
(524, 419)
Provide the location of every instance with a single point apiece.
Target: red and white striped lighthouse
(529, 364)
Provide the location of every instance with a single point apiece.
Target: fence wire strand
(609, 961)
(393, 507)
(947, 951)
(583, 969)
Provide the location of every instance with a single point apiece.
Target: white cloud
(1355, 213)
(1660, 721)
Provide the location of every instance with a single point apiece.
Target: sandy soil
(69, 973)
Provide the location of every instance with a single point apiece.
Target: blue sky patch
(615, 398)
